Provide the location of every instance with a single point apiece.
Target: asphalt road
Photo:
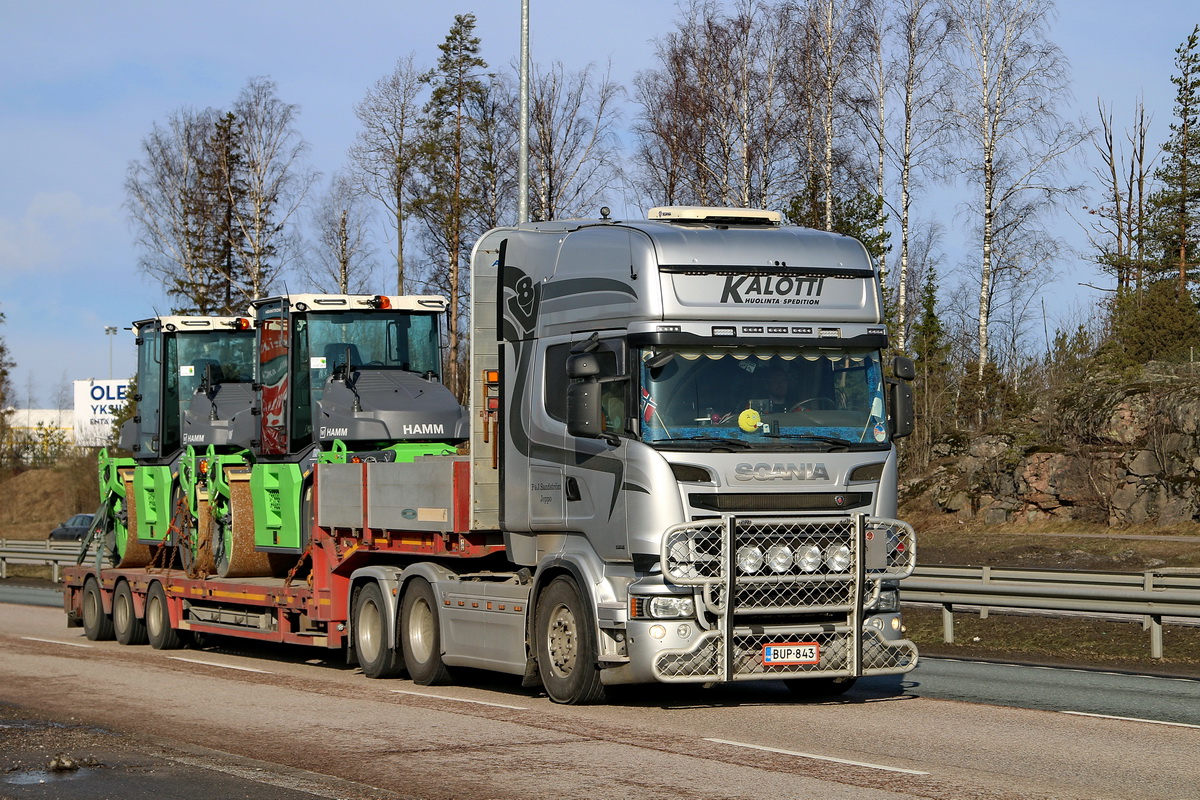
(287, 722)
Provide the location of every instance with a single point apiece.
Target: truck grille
(815, 501)
(786, 580)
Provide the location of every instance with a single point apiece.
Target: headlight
(837, 558)
(779, 558)
(809, 558)
(749, 559)
(672, 607)
(887, 602)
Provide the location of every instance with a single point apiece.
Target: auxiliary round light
(809, 558)
(779, 558)
(837, 557)
(657, 631)
(749, 559)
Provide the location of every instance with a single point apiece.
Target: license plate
(791, 653)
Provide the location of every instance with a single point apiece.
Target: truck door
(594, 469)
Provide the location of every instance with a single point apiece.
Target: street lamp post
(110, 331)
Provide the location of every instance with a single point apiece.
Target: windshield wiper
(697, 442)
(845, 444)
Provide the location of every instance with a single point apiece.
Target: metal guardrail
(1150, 595)
(54, 554)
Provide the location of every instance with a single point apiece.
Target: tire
(127, 628)
(420, 635)
(97, 626)
(820, 687)
(158, 621)
(566, 648)
(376, 657)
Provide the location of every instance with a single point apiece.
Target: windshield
(229, 355)
(374, 340)
(808, 397)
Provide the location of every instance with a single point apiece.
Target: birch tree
(715, 123)
(839, 44)
(386, 149)
(573, 150)
(276, 182)
(1117, 226)
(1012, 80)
(164, 190)
(920, 30)
(340, 260)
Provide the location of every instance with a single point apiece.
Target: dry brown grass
(34, 501)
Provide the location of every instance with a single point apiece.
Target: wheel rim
(91, 608)
(562, 641)
(122, 613)
(154, 623)
(420, 630)
(370, 631)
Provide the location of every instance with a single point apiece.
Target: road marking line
(818, 758)
(55, 641)
(458, 699)
(216, 664)
(1131, 719)
(1062, 669)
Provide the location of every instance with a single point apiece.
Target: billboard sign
(97, 403)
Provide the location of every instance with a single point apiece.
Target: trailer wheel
(375, 656)
(158, 620)
(566, 649)
(97, 625)
(420, 635)
(126, 626)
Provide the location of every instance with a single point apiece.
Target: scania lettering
(672, 465)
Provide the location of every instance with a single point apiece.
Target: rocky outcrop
(1119, 456)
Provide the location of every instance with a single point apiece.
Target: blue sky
(81, 83)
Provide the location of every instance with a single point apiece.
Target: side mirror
(583, 365)
(903, 368)
(583, 410)
(900, 408)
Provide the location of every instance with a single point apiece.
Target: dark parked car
(73, 529)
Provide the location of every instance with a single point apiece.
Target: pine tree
(931, 387)
(1176, 207)
(860, 215)
(446, 203)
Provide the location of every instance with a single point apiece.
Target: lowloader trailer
(677, 464)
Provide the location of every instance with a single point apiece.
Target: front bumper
(740, 614)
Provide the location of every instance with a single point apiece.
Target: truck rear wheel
(566, 649)
(376, 657)
(97, 626)
(420, 635)
(126, 626)
(158, 621)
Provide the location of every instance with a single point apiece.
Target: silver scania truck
(693, 450)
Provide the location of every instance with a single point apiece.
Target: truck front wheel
(376, 657)
(126, 626)
(420, 635)
(566, 649)
(97, 626)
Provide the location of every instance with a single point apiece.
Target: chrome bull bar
(785, 580)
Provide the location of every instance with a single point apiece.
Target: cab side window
(614, 382)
